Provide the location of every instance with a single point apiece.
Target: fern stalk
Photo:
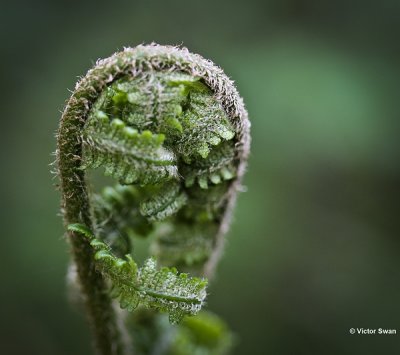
(172, 129)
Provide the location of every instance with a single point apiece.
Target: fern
(162, 289)
(170, 128)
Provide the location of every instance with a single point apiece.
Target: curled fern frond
(170, 127)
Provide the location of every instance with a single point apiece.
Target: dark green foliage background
(314, 248)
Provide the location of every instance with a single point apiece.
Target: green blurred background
(314, 247)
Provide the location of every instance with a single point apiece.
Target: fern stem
(169, 297)
(75, 207)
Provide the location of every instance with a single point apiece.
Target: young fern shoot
(170, 128)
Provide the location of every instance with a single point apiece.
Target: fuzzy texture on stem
(91, 135)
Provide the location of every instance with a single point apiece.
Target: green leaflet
(167, 290)
(163, 289)
(165, 203)
(126, 154)
(216, 168)
(80, 228)
(205, 124)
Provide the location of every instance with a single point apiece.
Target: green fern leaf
(167, 290)
(80, 228)
(216, 168)
(165, 203)
(204, 125)
(126, 154)
(163, 289)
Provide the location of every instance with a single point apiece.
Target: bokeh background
(314, 249)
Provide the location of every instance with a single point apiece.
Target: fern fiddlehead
(171, 129)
